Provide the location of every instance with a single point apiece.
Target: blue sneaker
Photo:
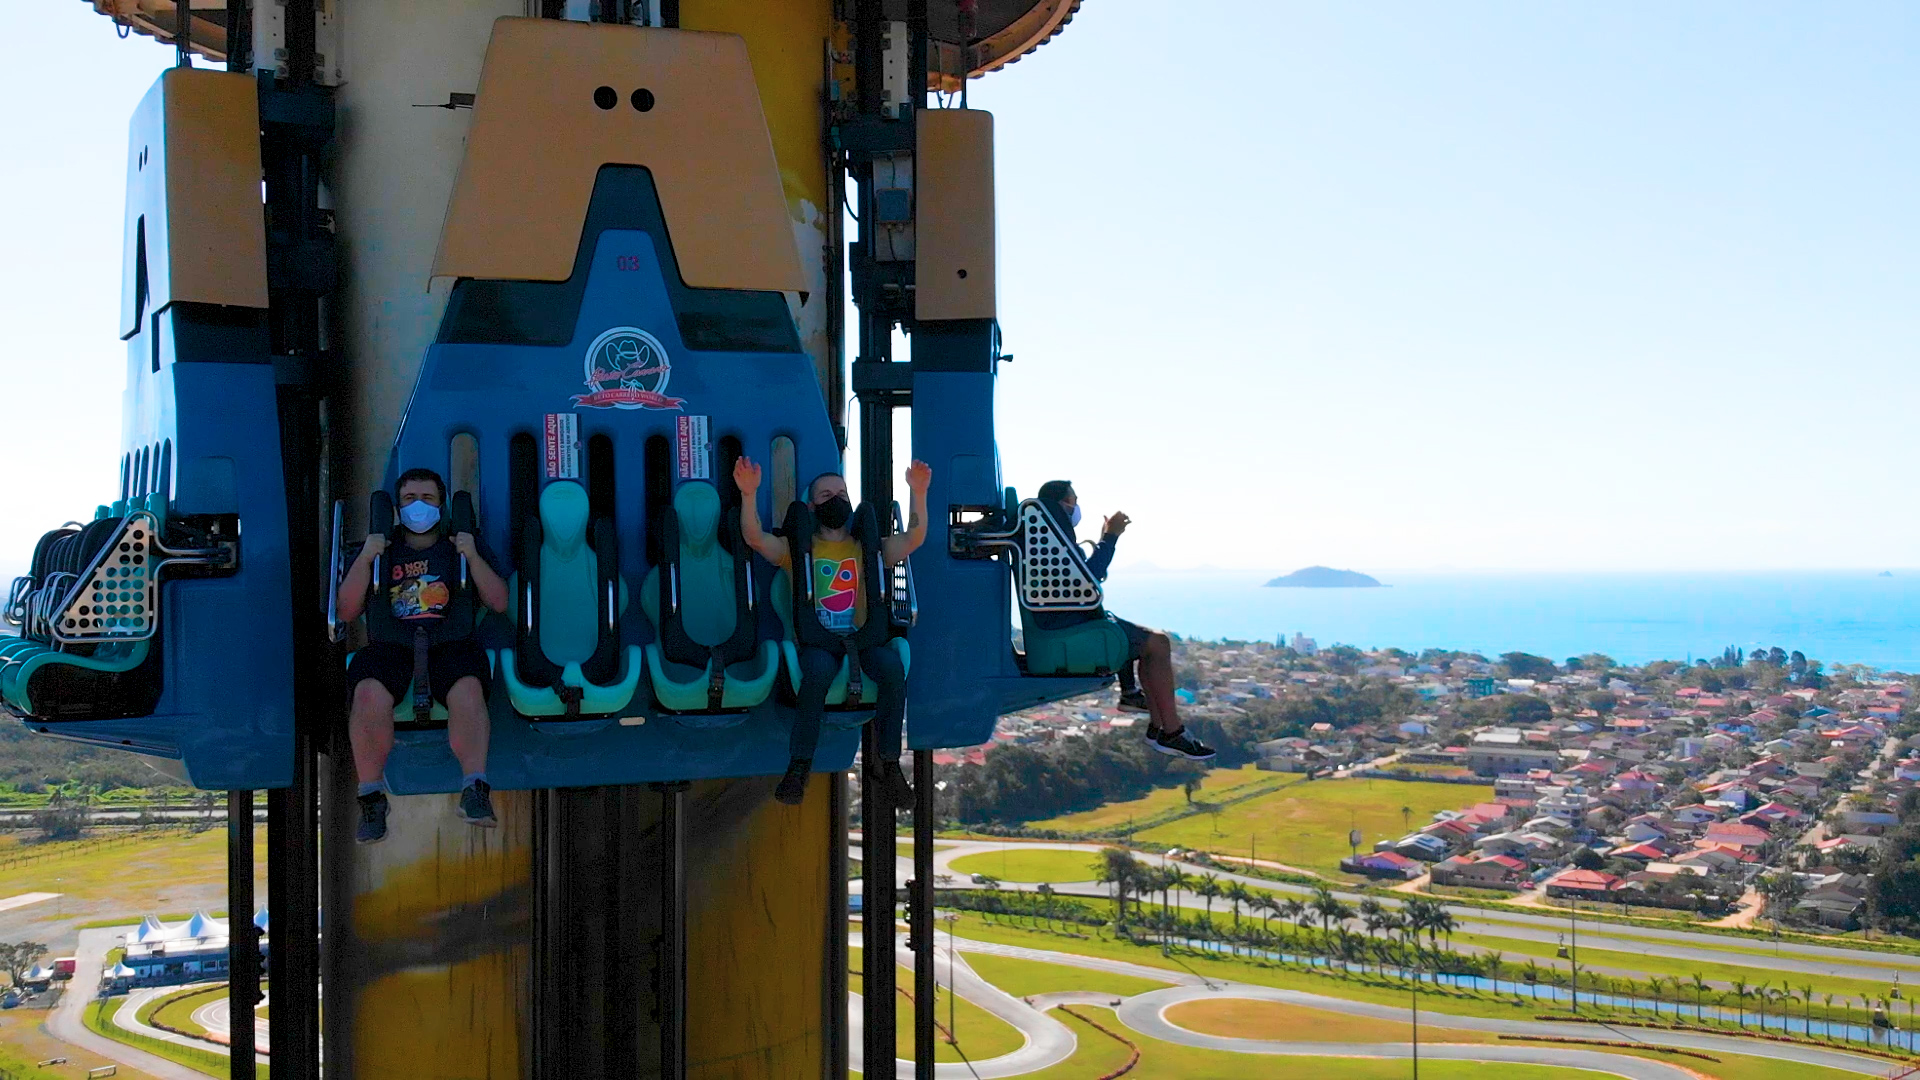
(373, 819)
(476, 805)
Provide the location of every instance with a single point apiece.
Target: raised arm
(351, 600)
(897, 547)
(746, 477)
(1110, 531)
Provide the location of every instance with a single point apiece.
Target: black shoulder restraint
(865, 528)
(675, 644)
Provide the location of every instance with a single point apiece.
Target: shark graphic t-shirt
(839, 596)
(420, 582)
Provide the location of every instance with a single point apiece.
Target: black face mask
(834, 512)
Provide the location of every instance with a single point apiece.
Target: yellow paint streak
(456, 1023)
(461, 866)
(786, 41)
(757, 924)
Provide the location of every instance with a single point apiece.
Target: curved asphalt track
(1144, 1014)
(1794, 957)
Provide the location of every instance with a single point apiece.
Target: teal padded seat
(841, 715)
(1096, 646)
(568, 662)
(705, 659)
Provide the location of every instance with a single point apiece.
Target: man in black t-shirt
(418, 582)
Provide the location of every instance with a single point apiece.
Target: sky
(1501, 286)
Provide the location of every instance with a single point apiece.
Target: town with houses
(1715, 787)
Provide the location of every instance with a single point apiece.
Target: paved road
(1146, 1009)
(67, 1021)
(217, 1018)
(1046, 1041)
(1794, 958)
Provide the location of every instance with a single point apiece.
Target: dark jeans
(879, 665)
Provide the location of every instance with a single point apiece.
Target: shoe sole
(365, 840)
(480, 822)
(1134, 708)
(1171, 752)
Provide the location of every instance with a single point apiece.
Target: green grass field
(1306, 824)
(1031, 866)
(1653, 964)
(981, 1034)
(99, 1018)
(1169, 1061)
(1112, 818)
(1025, 978)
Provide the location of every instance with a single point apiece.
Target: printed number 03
(626, 262)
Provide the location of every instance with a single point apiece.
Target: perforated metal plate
(1053, 576)
(117, 601)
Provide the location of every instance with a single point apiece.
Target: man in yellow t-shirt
(840, 600)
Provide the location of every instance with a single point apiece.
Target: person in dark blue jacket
(1150, 649)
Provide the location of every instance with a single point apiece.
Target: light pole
(953, 1036)
(1573, 962)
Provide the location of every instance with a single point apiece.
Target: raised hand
(919, 476)
(1116, 524)
(746, 476)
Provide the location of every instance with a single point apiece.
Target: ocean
(1850, 617)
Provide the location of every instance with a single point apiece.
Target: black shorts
(1136, 636)
(391, 665)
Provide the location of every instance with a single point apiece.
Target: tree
(1519, 665)
(1046, 896)
(1190, 785)
(1699, 997)
(1172, 879)
(1237, 895)
(17, 958)
(1209, 890)
(1406, 818)
(1587, 859)
(1120, 869)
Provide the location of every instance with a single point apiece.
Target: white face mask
(1073, 515)
(419, 516)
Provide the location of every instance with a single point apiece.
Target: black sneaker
(476, 805)
(793, 786)
(1134, 702)
(373, 819)
(1180, 744)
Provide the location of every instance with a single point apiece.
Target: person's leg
(458, 673)
(882, 665)
(370, 730)
(468, 727)
(817, 670)
(378, 675)
(1156, 678)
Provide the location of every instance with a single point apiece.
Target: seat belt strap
(422, 685)
(854, 689)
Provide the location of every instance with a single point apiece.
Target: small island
(1321, 577)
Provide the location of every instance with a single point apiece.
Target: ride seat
(87, 614)
(705, 661)
(568, 595)
(800, 616)
(1051, 575)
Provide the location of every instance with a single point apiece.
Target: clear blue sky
(1502, 285)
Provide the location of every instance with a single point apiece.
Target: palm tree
(1533, 978)
(1172, 879)
(1741, 990)
(1442, 922)
(1699, 998)
(1827, 1017)
(1406, 817)
(1209, 890)
(1046, 897)
(1494, 963)
(1267, 907)
(992, 885)
(1120, 869)
(1656, 982)
(1237, 895)
(1806, 1006)
(1295, 911)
